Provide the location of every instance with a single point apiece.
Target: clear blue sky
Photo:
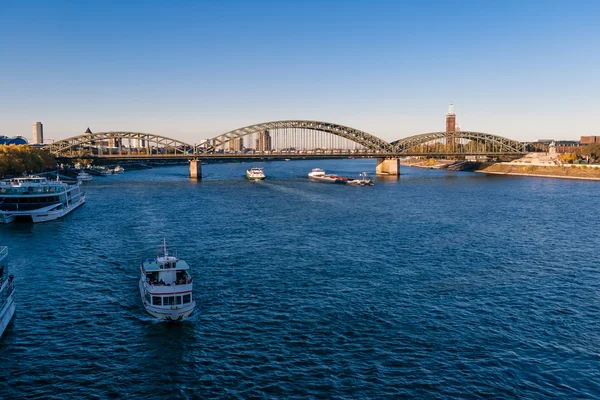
(192, 69)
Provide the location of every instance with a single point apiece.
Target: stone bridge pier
(196, 169)
(388, 166)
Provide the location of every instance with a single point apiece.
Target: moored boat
(7, 291)
(38, 199)
(255, 174)
(83, 176)
(118, 170)
(166, 286)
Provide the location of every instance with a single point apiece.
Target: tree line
(16, 160)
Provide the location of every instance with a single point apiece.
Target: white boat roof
(153, 264)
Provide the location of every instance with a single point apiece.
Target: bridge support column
(388, 166)
(196, 169)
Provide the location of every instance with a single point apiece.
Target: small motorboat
(255, 174)
(364, 180)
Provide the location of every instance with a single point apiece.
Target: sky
(192, 70)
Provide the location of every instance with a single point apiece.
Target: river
(435, 285)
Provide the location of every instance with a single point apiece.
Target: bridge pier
(388, 166)
(196, 169)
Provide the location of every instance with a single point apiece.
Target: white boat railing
(3, 252)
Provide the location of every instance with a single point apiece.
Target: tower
(450, 119)
(38, 133)
(450, 123)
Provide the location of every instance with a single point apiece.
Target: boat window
(156, 301)
(178, 300)
(168, 301)
(187, 298)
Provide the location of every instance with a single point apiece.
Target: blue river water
(435, 285)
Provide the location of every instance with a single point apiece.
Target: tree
(592, 152)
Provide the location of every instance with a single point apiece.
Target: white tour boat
(118, 170)
(7, 291)
(166, 286)
(255, 174)
(84, 176)
(38, 199)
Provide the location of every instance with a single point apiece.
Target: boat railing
(6, 291)
(3, 252)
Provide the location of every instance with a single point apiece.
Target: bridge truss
(455, 143)
(119, 144)
(299, 135)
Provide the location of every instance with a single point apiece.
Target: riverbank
(545, 171)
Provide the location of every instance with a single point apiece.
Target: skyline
(193, 71)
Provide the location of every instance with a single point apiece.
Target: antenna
(165, 247)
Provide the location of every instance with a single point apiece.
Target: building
(590, 139)
(263, 141)
(236, 144)
(13, 140)
(38, 133)
(450, 123)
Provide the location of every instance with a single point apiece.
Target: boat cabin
(166, 271)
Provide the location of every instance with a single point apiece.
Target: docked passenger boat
(255, 174)
(364, 180)
(84, 176)
(7, 291)
(166, 286)
(317, 174)
(38, 199)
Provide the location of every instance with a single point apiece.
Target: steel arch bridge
(132, 145)
(92, 144)
(364, 139)
(464, 142)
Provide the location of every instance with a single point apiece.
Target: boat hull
(7, 313)
(327, 179)
(167, 313)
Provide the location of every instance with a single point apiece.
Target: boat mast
(165, 247)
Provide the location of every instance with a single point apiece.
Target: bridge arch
(491, 143)
(107, 143)
(365, 139)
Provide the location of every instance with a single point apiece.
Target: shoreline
(586, 178)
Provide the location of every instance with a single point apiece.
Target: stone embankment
(575, 171)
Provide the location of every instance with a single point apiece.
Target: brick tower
(450, 123)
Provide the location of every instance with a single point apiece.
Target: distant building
(236, 144)
(38, 133)
(263, 141)
(450, 123)
(457, 127)
(590, 139)
(13, 140)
